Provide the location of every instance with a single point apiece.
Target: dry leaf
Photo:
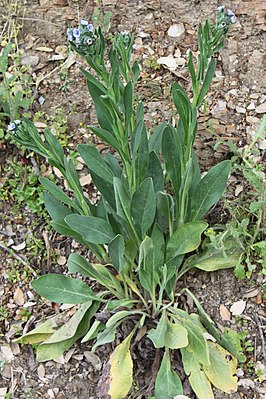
(19, 247)
(93, 359)
(45, 49)
(224, 313)
(238, 308)
(61, 260)
(19, 297)
(41, 371)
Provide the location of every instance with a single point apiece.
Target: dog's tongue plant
(144, 227)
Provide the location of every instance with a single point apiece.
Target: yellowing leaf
(176, 336)
(222, 369)
(121, 370)
(45, 49)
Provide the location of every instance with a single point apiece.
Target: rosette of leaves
(144, 235)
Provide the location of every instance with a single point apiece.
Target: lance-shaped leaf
(54, 207)
(122, 199)
(176, 336)
(95, 162)
(77, 264)
(92, 229)
(157, 335)
(222, 369)
(171, 157)
(143, 207)
(70, 332)
(168, 383)
(53, 189)
(117, 251)
(207, 81)
(61, 289)
(196, 376)
(185, 239)
(155, 171)
(209, 189)
(121, 372)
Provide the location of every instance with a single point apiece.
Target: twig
(19, 258)
(48, 248)
(261, 337)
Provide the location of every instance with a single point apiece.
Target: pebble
(251, 106)
(177, 31)
(240, 110)
(30, 60)
(261, 109)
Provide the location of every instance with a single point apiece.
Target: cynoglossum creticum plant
(142, 235)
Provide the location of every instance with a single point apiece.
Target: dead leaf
(19, 247)
(6, 353)
(238, 307)
(19, 297)
(93, 359)
(251, 293)
(170, 62)
(44, 49)
(41, 371)
(224, 313)
(61, 260)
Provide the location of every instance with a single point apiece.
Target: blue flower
(76, 32)
(90, 27)
(11, 127)
(232, 16)
(84, 22)
(221, 8)
(17, 121)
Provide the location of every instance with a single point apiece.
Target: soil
(239, 81)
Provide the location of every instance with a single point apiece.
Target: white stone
(251, 107)
(261, 109)
(240, 110)
(177, 31)
(169, 61)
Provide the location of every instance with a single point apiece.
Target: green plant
(101, 17)
(3, 313)
(146, 227)
(15, 93)
(248, 211)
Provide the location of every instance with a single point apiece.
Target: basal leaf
(222, 369)
(197, 378)
(54, 207)
(157, 335)
(168, 383)
(176, 336)
(92, 229)
(212, 259)
(61, 289)
(121, 373)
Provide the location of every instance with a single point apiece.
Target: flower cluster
(84, 35)
(225, 17)
(11, 128)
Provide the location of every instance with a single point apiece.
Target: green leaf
(95, 162)
(54, 207)
(57, 192)
(168, 383)
(222, 369)
(94, 331)
(61, 289)
(207, 81)
(155, 171)
(92, 229)
(209, 189)
(143, 207)
(128, 103)
(197, 378)
(68, 334)
(192, 70)
(120, 316)
(116, 249)
(155, 140)
(77, 264)
(158, 335)
(106, 137)
(212, 259)
(42, 331)
(106, 336)
(171, 157)
(176, 336)
(121, 373)
(182, 104)
(185, 239)
(122, 199)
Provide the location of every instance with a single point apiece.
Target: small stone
(30, 60)
(252, 119)
(261, 109)
(169, 61)
(61, 3)
(240, 110)
(251, 107)
(177, 31)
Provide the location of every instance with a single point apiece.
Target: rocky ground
(235, 105)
